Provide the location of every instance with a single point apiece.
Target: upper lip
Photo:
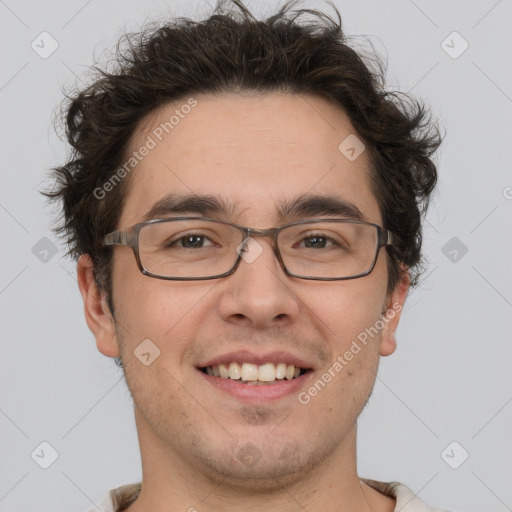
(245, 356)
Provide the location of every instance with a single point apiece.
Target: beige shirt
(406, 501)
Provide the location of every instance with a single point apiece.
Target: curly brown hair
(296, 51)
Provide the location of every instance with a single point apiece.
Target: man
(244, 200)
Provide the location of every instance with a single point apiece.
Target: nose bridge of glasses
(264, 233)
(252, 249)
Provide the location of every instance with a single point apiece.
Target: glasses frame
(130, 238)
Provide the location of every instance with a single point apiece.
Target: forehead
(256, 153)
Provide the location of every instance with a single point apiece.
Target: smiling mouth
(248, 373)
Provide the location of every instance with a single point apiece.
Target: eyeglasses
(199, 248)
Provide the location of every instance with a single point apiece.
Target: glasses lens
(191, 248)
(198, 248)
(328, 249)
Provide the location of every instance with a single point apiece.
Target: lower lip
(257, 392)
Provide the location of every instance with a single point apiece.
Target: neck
(170, 482)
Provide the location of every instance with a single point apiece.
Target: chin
(254, 466)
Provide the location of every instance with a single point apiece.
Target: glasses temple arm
(387, 238)
(116, 238)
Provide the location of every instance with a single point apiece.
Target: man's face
(252, 153)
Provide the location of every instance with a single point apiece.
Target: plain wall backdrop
(445, 395)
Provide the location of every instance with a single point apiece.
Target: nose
(259, 294)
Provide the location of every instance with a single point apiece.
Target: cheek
(139, 302)
(168, 313)
(347, 319)
(346, 309)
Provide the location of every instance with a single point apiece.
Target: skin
(254, 151)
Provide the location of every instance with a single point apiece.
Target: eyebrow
(303, 206)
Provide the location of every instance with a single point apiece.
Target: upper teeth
(252, 372)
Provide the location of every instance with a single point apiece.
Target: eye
(319, 241)
(316, 242)
(191, 241)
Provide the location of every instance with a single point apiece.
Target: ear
(97, 313)
(391, 316)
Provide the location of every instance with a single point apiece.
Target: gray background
(448, 381)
